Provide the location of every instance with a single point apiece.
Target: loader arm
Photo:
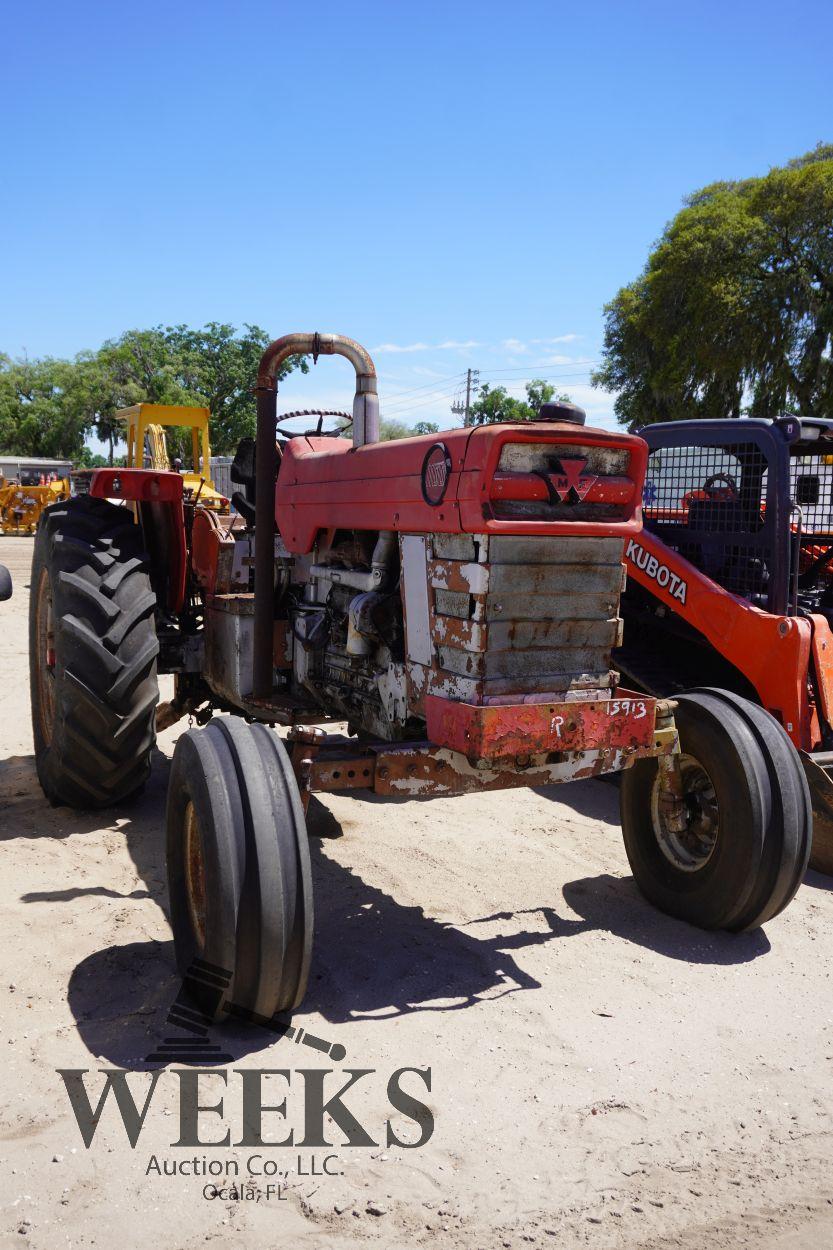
(772, 652)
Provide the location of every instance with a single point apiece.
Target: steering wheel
(727, 479)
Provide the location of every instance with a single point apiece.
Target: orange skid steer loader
(731, 580)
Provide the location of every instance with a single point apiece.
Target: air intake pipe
(365, 430)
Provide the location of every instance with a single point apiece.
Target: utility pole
(458, 407)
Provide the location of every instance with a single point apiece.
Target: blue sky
(451, 184)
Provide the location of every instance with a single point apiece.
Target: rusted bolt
(411, 770)
(383, 771)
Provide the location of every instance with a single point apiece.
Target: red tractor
(451, 600)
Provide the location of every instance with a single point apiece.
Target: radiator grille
(526, 615)
(561, 482)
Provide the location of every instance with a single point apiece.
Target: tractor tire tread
(106, 649)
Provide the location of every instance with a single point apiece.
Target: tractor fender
(156, 499)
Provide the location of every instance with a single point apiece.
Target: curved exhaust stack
(366, 399)
(365, 430)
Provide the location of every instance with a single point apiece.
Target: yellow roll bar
(140, 416)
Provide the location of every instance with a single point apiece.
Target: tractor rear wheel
(741, 850)
(92, 654)
(239, 875)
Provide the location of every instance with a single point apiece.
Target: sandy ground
(601, 1075)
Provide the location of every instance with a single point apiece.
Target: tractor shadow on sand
(374, 958)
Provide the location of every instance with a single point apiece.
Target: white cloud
(447, 346)
(515, 346)
(559, 338)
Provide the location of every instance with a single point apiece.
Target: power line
(453, 377)
(432, 399)
(440, 400)
(440, 392)
(459, 408)
(585, 366)
(401, 404)
(399, 398)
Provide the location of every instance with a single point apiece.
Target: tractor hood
(536, 478)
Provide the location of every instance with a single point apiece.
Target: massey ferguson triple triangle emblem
(570, 485)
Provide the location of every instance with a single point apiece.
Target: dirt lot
(601, 1075)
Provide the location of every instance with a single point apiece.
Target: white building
(11, 467)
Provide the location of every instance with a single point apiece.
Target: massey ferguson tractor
(450, 602)
(731, 580)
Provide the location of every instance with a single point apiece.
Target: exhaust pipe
(365, 430)
(366, 399)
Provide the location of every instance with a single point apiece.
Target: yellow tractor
(22, 501)
(147, 447)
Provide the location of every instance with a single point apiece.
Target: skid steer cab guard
(731, 580)
(452, 599)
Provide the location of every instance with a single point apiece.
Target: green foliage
(43, 408)
(389, 430)
(496, 404)
(47, 407)
(90, 460)
(398, 429)
(734, 310)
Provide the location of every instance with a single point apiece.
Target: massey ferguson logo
(567, 483)
(660, 573)
(436, 470)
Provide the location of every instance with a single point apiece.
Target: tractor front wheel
(92, 654)
(732, 854)
(239, 875)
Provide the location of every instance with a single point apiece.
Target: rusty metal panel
(541, 663)
(517, 549)
(425, 772)
(229, 621)
(515, 579)
(467, 547)
(458, 575)
(543, 578)
(549, 684)
(528, 579)
(556, 607)
(457, 633)
(452, 603)
(519, 614)
(520, 635)
(493, 732)
(425, 769)
(333, 771)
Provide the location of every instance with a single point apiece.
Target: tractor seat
(713, 525)
(716, 516)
